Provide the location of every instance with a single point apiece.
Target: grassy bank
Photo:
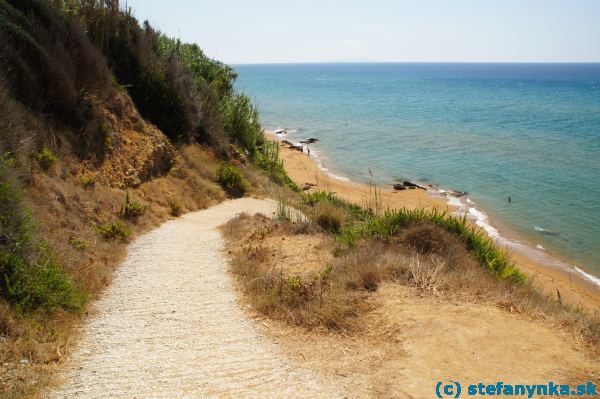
(435, 254)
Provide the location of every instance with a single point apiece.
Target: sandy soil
(410, 342)
(302, 169)
(169, 325)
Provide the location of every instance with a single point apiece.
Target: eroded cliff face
(127, 150)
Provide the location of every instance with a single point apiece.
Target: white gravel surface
(169, 325)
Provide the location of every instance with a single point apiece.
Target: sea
(530, 132)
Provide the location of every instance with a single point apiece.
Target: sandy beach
(573, 288)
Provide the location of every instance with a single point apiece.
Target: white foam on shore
(593, 279)
(466, 206)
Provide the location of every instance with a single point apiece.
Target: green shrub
(30, 277)
(132, 210)
(79, 243)
(87, 181)
(294, 283)
(267, 159)
(232, 180)
(42, 284)
(114, 231)
(242, 123)
(46, 158)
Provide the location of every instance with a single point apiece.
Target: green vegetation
(353, 213)
(283, 212)
(51, 60)
(46, 158)
(30, 276)
(176, 86)
(114, 231)
(363, 224)
(243, 124)
(87, 181)
(267, 159)
(132, 210)
(232, 180)
(79, 243)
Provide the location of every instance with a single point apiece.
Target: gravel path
(169, 325)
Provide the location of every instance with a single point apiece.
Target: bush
(267, 159)
(40, 285)
(51, 60)
(79, 243)
(87, 181)
(132, 210)
(416, 229)
(242, 123)
(46, 158)
(114, 231)
(30, 277)
(173, 84)
(232, 180)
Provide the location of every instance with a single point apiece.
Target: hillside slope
(107, 129)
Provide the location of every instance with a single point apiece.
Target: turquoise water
(528, 131)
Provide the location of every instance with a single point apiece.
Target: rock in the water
(412, 185)
(309, 141)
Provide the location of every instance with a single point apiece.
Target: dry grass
(425, 257)
(329, 217)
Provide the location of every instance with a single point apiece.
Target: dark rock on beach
(309, 141)
(457, 194)
(412, 185)
(399, 186)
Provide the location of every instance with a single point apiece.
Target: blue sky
(266, 31)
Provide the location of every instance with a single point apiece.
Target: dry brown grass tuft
(329, 217)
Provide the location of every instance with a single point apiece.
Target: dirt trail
(169, 325)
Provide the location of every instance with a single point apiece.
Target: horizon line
(412, 62)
